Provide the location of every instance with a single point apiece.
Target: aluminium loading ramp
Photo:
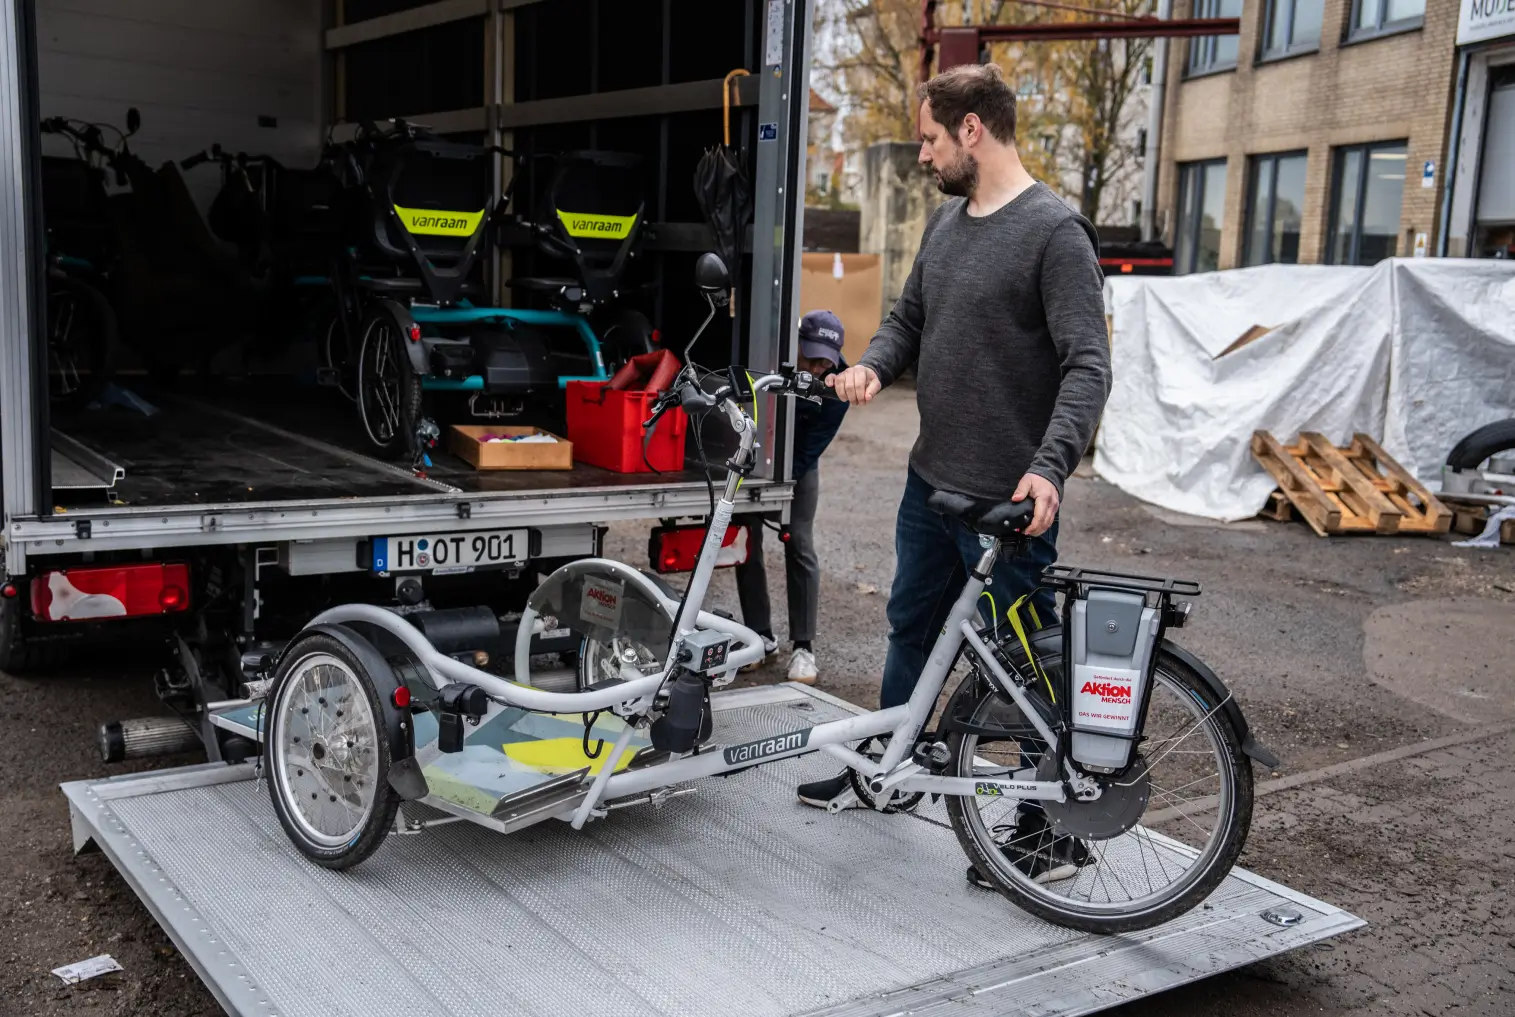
(735, 900)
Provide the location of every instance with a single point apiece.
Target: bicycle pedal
(328, 377)
(932, 755)
(845, 800)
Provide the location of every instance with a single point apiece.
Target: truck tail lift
(733, 899)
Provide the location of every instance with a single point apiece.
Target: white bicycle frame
(896, 771)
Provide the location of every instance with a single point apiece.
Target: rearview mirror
(133, 120)
(710, 274)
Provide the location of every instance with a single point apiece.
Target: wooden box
(467, 442)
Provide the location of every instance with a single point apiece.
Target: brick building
(1318, 135)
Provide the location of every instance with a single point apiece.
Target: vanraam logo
(439, 223)
(605, 227)
(765, 747)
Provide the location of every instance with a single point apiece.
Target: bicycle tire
(396, 438)
(345, 849)
(100, 341)
(1190, 892)
(627, 334)
(1478, 445)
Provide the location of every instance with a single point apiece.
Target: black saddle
(1002, 519)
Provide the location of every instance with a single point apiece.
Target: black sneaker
(820, 792)
(1030, 849)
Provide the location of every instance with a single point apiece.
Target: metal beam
(268, 522)
(22, 421)
(962, 44)
(1135, 28)
(428, 16)
(442, 122)
(654, 100)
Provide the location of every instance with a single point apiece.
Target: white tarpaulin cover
(1413, 352)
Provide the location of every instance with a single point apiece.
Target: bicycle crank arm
(968, 787)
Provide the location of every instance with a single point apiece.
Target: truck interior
(225, 192)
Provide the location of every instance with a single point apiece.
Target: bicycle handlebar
(687, 393)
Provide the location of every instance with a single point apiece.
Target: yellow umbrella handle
(726, 87)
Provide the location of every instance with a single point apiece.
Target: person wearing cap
(820, 353)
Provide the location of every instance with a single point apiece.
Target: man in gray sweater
(1003, 318)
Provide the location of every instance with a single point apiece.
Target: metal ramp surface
(734, 900)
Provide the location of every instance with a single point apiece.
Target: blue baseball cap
(821, 335)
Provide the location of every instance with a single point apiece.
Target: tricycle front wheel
(327, 757)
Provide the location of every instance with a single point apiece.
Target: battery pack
(1113, 633)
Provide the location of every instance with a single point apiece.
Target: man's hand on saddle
(857, 384)
(1042, 491)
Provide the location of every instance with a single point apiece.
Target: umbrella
(724, 192)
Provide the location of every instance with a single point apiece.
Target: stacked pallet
(1470, 519)
(1358, 488)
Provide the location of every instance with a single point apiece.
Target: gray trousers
(802, 568)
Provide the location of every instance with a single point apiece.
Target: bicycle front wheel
(1160, 838)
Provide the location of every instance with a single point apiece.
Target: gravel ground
(1337, 650)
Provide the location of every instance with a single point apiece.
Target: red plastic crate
(605, 426)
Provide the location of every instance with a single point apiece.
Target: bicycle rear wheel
(1158, 841)
(81, 341)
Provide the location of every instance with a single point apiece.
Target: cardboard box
(854, 297)
(466, 442)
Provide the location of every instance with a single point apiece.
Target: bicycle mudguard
(1249, 745)
(416, 350)
(404, 775)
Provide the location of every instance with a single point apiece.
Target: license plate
(450, 552)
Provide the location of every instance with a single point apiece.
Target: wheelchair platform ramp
(732, 900)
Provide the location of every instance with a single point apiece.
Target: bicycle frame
(895, 772)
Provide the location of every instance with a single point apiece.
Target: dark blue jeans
(933, 554)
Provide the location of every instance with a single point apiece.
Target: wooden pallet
(1358, 488)
(1470, 519)
(1278, 508)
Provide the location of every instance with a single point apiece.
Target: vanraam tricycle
(1094, 772)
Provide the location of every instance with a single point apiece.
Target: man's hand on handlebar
(1042, 491)
(857, 384)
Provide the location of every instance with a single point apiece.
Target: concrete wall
(1346, 93)
(898, 197)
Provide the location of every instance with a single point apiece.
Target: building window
(1275, 207)
(1201, 206)
(1213, 52)
(1292, 26)
(1367, 191)
(1379, 17)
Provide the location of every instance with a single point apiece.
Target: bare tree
(1076, 115)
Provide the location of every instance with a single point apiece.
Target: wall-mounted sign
(1481, 20)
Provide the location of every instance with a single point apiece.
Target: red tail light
(8, 591)
(111, 591)
(401, 697)
(414, 332)
(677, 548)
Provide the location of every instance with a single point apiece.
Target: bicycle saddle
(1003, 519)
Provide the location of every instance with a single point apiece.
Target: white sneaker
(769, 646)
(802, 667)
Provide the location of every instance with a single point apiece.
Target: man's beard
(961, 180)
